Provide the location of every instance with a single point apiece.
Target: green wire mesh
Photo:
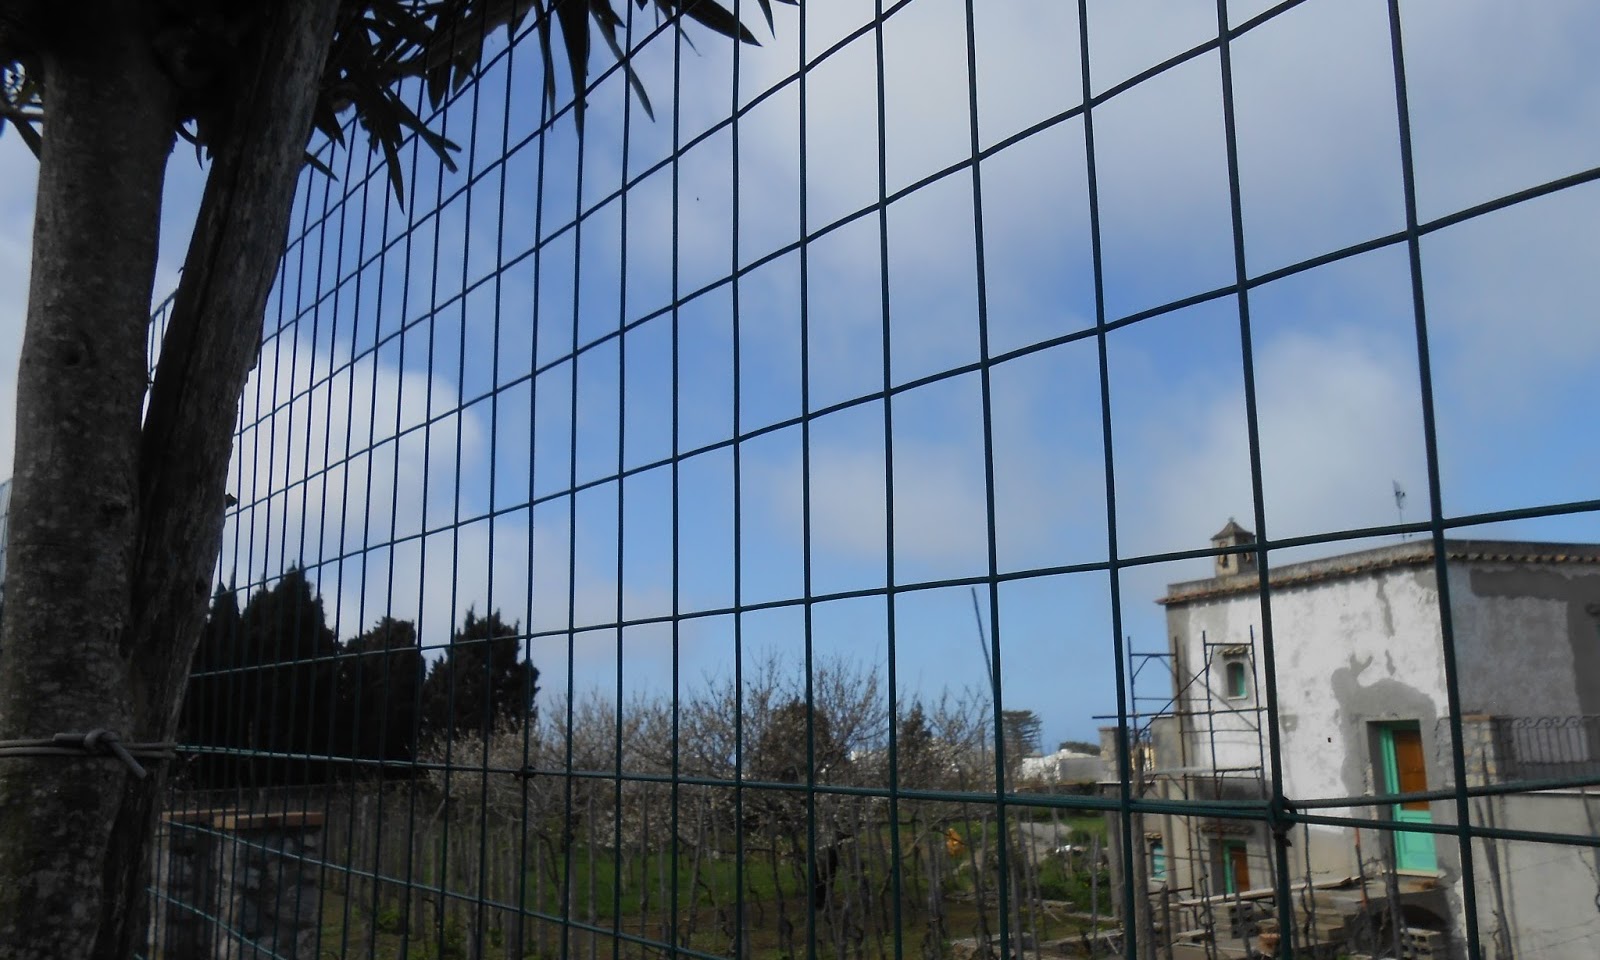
(689, 538)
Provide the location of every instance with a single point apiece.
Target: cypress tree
(378, 694)
(481, 680)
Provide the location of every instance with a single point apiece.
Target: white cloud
(322, 477)
(1335, 433)
(1503, 97)
(304, 486)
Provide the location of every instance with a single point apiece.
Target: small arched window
(1237, 679)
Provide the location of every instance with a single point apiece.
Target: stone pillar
(231, 885)
(1481, 741)
(267, 868)
(184, 903)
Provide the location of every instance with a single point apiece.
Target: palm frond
(442, 42)
(20, 104)
(382, 48)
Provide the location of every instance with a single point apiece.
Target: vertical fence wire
(1273, 722)
(1452, 682)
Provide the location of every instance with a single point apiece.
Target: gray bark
(64, 660)
(115, 530)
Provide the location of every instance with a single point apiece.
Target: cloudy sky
(399, 443)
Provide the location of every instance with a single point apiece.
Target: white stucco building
(1359, 662)
(1061, 767)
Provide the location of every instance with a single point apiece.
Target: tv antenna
(1400, 504)
(983, 642)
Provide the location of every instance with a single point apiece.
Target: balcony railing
(1546, 748)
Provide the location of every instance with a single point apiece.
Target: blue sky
(1502, 99)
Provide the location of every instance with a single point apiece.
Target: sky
(395, 436)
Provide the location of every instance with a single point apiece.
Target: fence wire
(688, 537)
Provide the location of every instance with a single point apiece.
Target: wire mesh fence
(691, 536)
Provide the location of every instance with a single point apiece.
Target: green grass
(349, 938)
(1063, 883)
(388, 942)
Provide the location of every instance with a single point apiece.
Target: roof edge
(1361, 562)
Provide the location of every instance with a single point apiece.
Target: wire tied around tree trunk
(95, 743)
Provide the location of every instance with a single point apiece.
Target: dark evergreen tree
(1021, 729)
(378, 690)
(210, 717)
(481, 680)
(919, 763)
(288, 682)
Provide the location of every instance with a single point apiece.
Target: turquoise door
(1235, 866)
(1404, 770)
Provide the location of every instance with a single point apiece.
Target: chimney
(1238, 561)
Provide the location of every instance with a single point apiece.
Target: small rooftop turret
(1238, 561)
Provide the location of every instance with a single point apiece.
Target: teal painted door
(1404, 770)
(1235, 866)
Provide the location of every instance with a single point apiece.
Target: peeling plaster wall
(1367, 647)
(1347, 652)
(1527, 638)
(1548, 901)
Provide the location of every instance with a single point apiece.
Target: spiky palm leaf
(20, 107)
(377, 45)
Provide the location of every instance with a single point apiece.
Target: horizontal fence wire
(687, 537)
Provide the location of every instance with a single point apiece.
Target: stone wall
(231, 885)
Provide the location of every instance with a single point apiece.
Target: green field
(631, 895)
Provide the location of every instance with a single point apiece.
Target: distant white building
(1362, 712)
(1063, 766)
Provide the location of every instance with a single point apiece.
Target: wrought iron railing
(1547, 748)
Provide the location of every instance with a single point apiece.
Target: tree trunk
(114, 534)
(64, 656)
(74, 498)
(212, 341)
